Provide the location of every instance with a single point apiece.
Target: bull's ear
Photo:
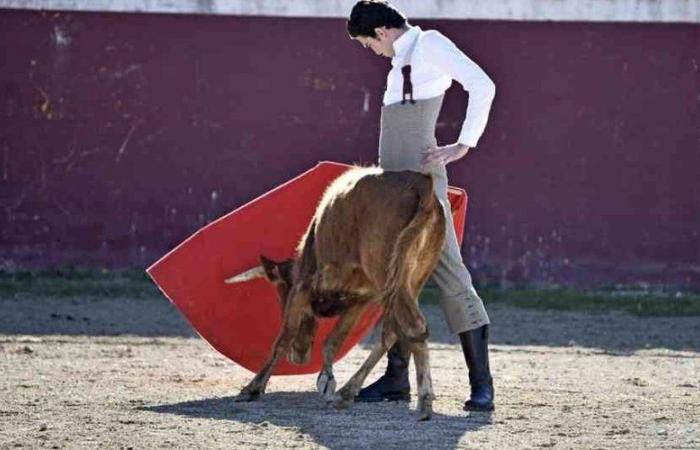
(272, 270)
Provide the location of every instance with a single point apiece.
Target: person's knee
(458, 290)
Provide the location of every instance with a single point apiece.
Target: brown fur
(375, 238)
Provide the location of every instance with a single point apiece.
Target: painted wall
(121, 134)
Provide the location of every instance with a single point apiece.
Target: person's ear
(380, 32)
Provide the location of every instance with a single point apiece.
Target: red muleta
(243, 320)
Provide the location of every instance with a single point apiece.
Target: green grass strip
(135, 283)
(636, 302)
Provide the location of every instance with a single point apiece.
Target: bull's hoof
(248, 395)
(425, 408)
(325, 383)
(424, 415)
(344, 398)
(341, 403)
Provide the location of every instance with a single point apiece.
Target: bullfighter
(423, 65)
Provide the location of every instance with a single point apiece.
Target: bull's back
(362, 214)
(366, 196)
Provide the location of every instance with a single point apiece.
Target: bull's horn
(255, 272)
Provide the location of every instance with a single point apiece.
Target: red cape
(242, 320)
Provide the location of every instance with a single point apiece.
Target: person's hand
(444, 155)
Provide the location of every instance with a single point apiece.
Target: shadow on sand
(377, 425)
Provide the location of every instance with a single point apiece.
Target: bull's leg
(345, 396)
(414, 327)
(423, 380)
(326, 381)
(418, 334)
(298, 304)
(405, 315)
(300, 352)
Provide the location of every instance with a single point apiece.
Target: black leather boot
(393, 385)
(475, 346)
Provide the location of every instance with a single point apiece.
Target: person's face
(381, 45)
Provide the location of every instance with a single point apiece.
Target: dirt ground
(127, 373)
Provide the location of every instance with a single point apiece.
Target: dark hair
(367, 15)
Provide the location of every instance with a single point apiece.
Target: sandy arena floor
(126, 373)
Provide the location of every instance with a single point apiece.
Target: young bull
(375, 238)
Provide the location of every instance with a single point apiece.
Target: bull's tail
(306, 252)
(400, 318)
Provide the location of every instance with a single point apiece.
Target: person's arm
(442, 53)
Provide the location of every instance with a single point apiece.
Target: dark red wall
(121, 134)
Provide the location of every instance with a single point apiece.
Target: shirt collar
(403, 44)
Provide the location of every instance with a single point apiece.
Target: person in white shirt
(424, 64)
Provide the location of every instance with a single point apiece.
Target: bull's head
(278, 273)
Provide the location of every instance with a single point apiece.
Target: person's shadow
(363, 425)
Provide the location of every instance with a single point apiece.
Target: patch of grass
(639, 303)
(72, 282)
(135, 283)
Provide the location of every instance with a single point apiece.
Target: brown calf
(375, 238)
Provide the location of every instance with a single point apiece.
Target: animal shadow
(363, 425)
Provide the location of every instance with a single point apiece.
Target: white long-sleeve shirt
(435, 63)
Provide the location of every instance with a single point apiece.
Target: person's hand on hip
(444, 155)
